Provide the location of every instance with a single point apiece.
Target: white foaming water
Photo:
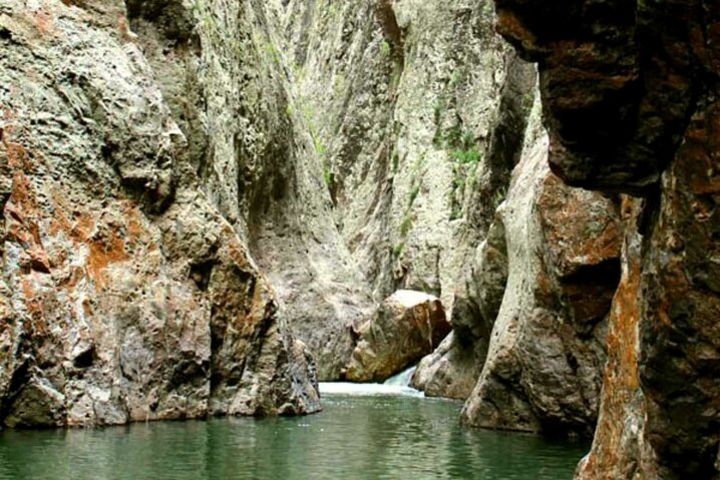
(397, 385)
(366, 389)
(401, 379)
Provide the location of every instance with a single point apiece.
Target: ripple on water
(369, 437)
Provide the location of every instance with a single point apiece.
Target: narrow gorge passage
(408, 238)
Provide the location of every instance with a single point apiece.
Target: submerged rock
(406, 326)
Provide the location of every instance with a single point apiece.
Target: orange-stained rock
(542, 372)
(630, 91)
(618, 436)
(679, 354)
(125, 295)
(614, 77)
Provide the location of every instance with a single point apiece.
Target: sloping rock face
(359, 147)
(543, 366)
(407, 326)
(657, 66)
(223, 71)
(126, 294)
(528, 342)
(454, 368)
(417, 110)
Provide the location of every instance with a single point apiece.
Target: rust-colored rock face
(679, 332)
(617, 82)
(630, 92)
(546, 351)
(618, 435)
(407, 326)
(125, 295)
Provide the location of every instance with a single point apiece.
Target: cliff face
(160, 155)
(418, 114)
(190, 188)
(127, 295)
(228, 81)
(157, 156)
(546, 350)
(415, 115)
(630, 93)
(417, 111)
(359, 148)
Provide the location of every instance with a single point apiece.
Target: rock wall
(127, 295)
(417, 110)
(630, 92)
(159, 155)
(543, 328)
(189, 186)
(359, 148)
(453, 369)
(227, 78)
(184, 146)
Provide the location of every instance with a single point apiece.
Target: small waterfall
(402, 379)
(397, 385)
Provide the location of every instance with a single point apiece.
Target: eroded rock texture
(453, 369)
(417, 111)
(544, 359)
(527, 347)
(126, 294)
(229, 83)
(360, 147)
(407, 326)
(157, 156)
(184, 146)
(630, 92)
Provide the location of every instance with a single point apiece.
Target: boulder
(407, 326)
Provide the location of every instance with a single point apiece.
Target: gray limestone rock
(546, 351)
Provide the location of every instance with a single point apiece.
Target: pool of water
(367, 437)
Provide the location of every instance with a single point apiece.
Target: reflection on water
(354, 438)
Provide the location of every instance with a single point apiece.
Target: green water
(354, 438)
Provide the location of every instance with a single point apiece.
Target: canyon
(209, 206)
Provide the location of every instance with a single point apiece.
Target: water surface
(367, 437)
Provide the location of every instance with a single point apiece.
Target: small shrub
(328, 176)
(465, 157)
(398, 249)
(413, 194)
(406, 225)
(500, 195)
